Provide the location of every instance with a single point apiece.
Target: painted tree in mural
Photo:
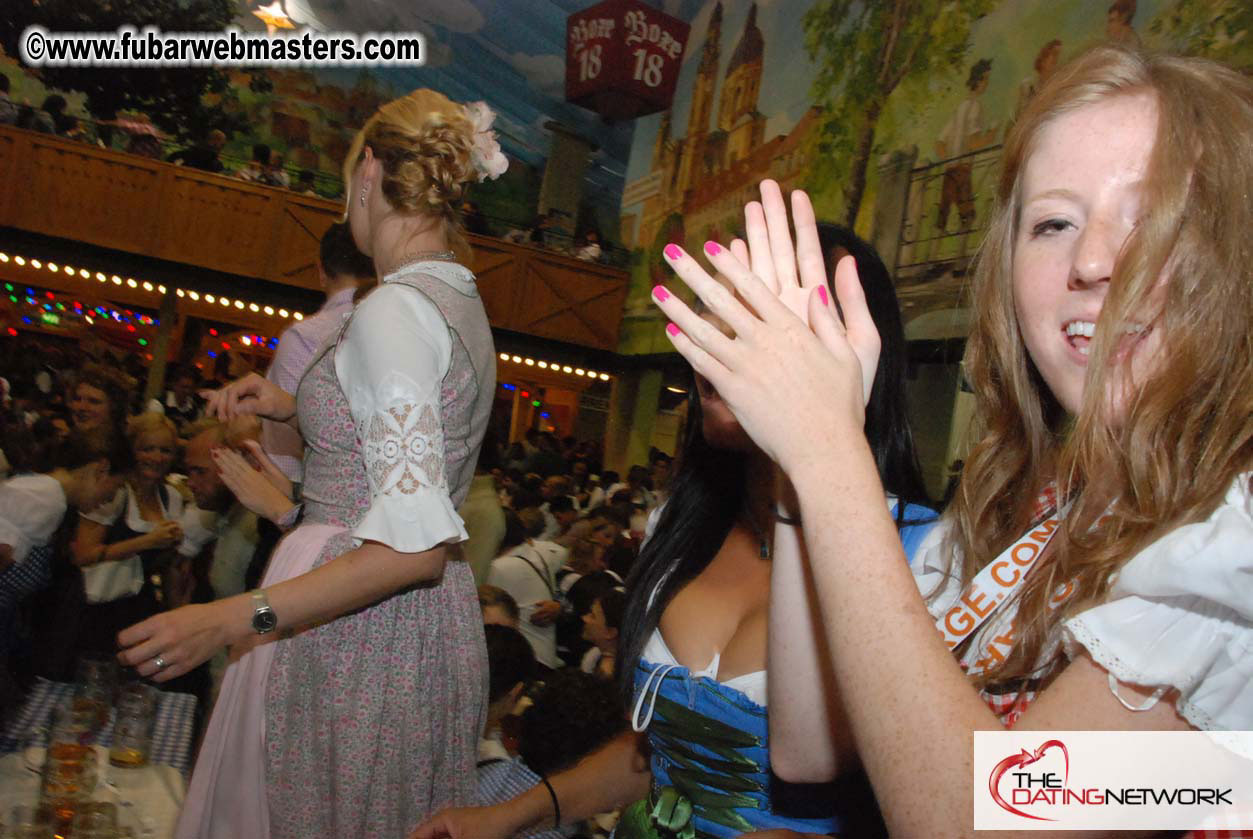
(1217, 29)
(863, 51)
(181, 101)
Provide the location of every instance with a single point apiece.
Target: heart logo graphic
(1024, 758)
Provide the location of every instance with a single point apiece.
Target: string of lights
(123, 316)
(554, 366)
(158, 289)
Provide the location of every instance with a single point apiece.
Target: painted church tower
(738, 117)
(702, 103)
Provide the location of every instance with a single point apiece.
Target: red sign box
(623, 58)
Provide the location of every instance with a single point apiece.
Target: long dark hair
(709, 490)
(887, 418)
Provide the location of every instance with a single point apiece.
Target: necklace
(420, 256)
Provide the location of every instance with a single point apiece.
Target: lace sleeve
(391, 362)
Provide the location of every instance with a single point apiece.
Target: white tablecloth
(147, 799)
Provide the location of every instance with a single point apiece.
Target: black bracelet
(788, 520)
(556, 807)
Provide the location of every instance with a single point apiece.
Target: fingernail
(822, 295)
(660, 293)
(713, 248)
(673, 251)
(672, 329)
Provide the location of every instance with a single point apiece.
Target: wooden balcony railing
(111, 199)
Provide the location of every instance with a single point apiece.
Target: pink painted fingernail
(673, 251)
(713, 248)
(822, 295)
(660, 293)
(672, 329)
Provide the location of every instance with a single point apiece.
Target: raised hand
(787, 384)
(791, 273)
(253, 395)
(256, 490)
(258, 458)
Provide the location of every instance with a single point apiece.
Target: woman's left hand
(182, 639)
(789, 385)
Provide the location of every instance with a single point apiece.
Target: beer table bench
(172, 730)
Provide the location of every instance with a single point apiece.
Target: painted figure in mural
(1109, 358)
(1118, 28)
(965, 132)
(693, 646)
(356, 695)
(1045, 63)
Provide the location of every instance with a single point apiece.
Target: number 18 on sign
(622, 58)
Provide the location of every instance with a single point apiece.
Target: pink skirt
(227, 795)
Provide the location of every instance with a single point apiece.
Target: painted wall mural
(892, 121)
(507, 52)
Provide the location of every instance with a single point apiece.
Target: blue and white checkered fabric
(171, 733)
(19, 581)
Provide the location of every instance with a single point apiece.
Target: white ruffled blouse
(1179, 614)
(390, 362)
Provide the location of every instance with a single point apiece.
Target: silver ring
(159, 661)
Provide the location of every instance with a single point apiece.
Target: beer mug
(27, 822)
(95, 686)
(132, 728)
(96, 820)
(68, 779)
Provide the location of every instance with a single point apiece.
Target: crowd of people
(773, 630)
(267, 167)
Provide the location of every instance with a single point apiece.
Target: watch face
(264, 620)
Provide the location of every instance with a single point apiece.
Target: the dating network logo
(1022, 791)
(1112, 780)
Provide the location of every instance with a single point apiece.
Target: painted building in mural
(892, 123)
(704, 176)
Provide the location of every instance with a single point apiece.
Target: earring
(363, 190)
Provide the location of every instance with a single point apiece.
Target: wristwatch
(263, 618)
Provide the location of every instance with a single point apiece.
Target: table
(148, 799)
(172, 730)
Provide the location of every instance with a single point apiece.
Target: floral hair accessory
(486, 156)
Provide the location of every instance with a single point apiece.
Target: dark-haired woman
(693, 644)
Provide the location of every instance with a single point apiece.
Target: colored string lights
(153, 288)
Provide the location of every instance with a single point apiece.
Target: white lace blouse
(390, 362)
(1179, 615)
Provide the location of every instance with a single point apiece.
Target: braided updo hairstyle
(423, 142)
